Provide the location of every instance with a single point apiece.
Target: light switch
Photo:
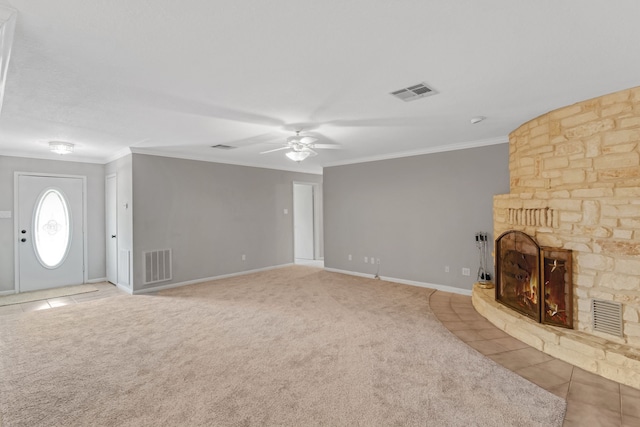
(286, 211)
(5, 214)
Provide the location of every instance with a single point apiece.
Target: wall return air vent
(607, 317)
(223, 147)
(414, 92)
(156, 266)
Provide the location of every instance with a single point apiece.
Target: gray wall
(95, 211)
(417, 214)
(210, 214)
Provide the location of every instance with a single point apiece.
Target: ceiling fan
(301, 146)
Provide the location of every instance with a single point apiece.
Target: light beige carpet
(46, 294)
(296, 346)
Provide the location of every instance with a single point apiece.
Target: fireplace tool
(484, 277)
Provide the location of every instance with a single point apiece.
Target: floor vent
(223, 147)
(607, 317)
(414, 92)
(157, 266)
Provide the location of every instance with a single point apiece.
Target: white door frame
(107, 236)
(317, 215)
(16, 218)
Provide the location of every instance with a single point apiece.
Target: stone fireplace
(575, 185)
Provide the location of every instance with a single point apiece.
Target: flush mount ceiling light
(298, 156)
(60, 147)
(477, 119)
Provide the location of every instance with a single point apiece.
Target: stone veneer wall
(575, 184)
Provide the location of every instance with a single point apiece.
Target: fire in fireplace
(533, 280)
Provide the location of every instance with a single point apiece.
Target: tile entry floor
(591, 400)
(105, 290)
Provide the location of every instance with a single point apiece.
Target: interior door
(303, 221)
(111, 229)
(50, 232)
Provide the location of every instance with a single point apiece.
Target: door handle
(113, 236)
(23, 240)
(24, 231)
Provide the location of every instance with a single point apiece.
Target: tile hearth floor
(591, 399)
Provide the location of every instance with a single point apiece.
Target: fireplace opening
(558, 289)
(534, 280)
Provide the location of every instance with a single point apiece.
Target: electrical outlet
(244, 257)
(446, 268)
(466, 272)
(366, 260)
(373, 260)
(378, 261)
(350, 257)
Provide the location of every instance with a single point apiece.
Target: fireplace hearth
(533, 280)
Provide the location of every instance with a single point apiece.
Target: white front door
(303, 221)
(50, 231)
(111, 228)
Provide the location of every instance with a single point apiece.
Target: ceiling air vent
(607, 317)
(414, 92)
(223, 147)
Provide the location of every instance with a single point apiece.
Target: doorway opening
(307, 224)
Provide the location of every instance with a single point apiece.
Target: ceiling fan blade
(301, 139)
(310, 151)
(327, 146)
(265, 138)
(382, 122)
(308, 140)
(199, 107)
(276, 149)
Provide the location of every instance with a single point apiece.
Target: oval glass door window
(51, 231)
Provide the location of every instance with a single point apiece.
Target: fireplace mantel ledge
(611, 360)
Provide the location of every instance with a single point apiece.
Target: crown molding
(312, 170)
(54, 157)
(429, 150)
(118, 155)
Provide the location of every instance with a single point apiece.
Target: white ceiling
(175, 77)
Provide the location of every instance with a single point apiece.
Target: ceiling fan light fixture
(60, 147)
(297, 156)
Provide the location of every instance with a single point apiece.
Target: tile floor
(105, 290)
(591, 400)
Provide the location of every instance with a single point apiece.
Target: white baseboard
(11, 292)
(204, 279)
(443, 288)
(101, 279)
(124, 288)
